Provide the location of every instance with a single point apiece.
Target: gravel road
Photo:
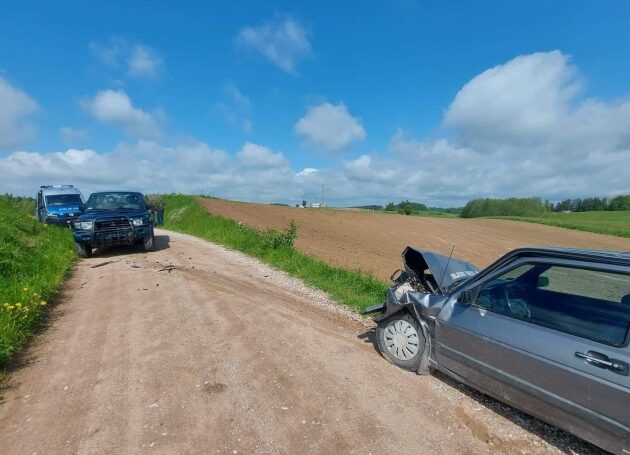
(197, 349)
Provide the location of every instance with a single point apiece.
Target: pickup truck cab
(113, 218)
(58, 204)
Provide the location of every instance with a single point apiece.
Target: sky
(438, 102)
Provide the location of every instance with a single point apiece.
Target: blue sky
(438, 102)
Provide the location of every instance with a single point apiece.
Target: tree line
(534, 206)
(592, 204)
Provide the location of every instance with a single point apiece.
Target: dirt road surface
(373, 241)
(196, 349)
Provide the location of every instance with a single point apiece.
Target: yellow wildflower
(18, 305)
(35, 294)
(25, 289)
(10, 307)
(43, 303)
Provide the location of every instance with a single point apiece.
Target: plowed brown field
(373, 241)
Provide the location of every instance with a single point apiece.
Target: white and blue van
(59, 204)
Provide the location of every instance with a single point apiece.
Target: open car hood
(436, 271)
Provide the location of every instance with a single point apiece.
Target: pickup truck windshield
(115, 201)
(63, 199)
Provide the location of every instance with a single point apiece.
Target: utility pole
(322, 195)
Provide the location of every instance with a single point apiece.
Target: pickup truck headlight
(137, 221)
(84, 225)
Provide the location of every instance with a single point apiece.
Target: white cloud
(136, 59)
(73, 136)
(110, 53)
(283, 42)
(330, 127)
(192, 168)
(236, 110)
(144, 62)
(239, 99)
(522, 101)
(580, 148)
(259, 157)
(307, 171)
(16, 108)
(114, 107)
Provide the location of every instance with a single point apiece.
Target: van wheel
(149, 242)
(83, 251)
(400, 340)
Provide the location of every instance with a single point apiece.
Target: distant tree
(619, 203)
(390, 207)
(304, 203)
(504, 207)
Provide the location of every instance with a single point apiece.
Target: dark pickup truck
(113, 218)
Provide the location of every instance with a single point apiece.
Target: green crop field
(34, 260)
(612, 223)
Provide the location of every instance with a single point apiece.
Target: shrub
(278, 239)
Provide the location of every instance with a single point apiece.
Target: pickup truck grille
(108, 224)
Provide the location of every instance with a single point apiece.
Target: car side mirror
(466, 297)
(543, 282)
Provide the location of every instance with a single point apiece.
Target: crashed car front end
(424, 285)
(419, 293)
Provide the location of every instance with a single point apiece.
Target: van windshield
(64, 199)
(115, 201)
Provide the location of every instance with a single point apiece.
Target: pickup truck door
(563, 356)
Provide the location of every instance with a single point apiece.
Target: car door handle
(603, 361)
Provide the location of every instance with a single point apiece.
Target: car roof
(117, 192)
(57, 191)
(617, 257)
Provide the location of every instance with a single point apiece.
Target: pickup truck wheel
(83, 250)
(149, 242)
(401, 341)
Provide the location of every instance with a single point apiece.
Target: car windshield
(115, 201)
(63, 199)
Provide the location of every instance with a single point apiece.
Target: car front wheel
(149, 242)
(401, 341)
(83, 250)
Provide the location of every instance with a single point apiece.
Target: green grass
(612, 223)
(34, 260)
(355, 289)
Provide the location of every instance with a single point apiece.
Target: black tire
(83, 250)
(396, 337)
(149, 242)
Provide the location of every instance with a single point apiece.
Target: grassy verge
(611, 223)
(34, 259)
(352, 288)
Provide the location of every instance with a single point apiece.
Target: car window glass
(115, 201)
(63, 199)
(587, 283)
(587, 303)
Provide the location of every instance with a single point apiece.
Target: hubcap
(401, 339)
